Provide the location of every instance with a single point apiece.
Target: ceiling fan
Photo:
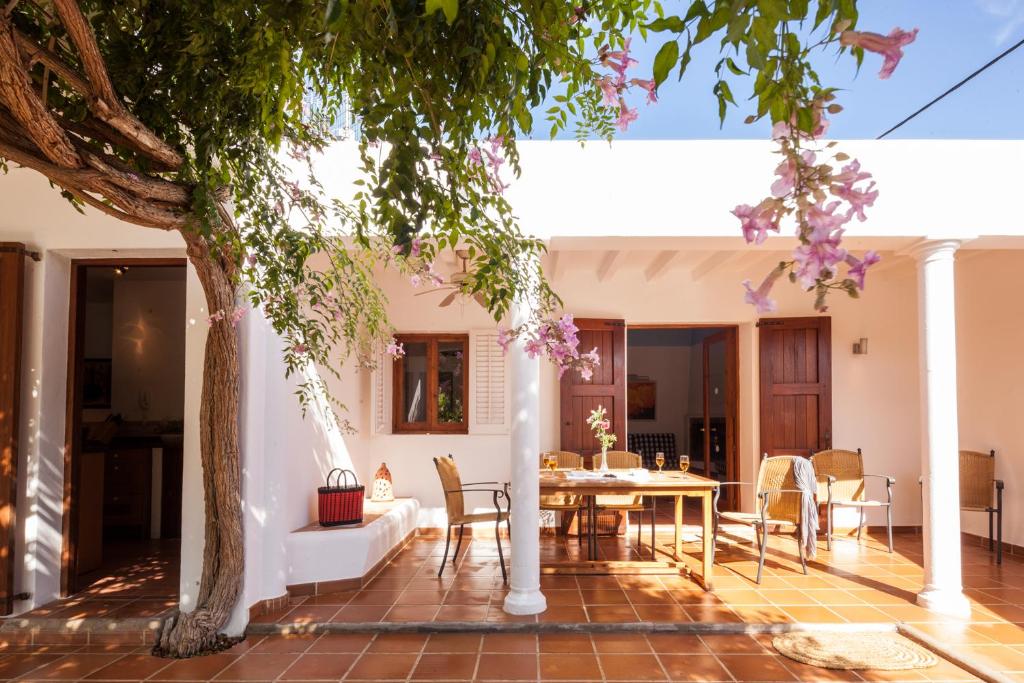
(454, 283)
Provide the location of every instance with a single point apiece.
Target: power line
(955, 87)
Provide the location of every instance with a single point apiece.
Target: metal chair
(845, 486)
(778, 504)
(564, 502)
(624, 460)
(980, 491)
(454, 502)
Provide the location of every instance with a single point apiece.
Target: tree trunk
(198, 631)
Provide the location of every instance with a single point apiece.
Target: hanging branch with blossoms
(555, 339)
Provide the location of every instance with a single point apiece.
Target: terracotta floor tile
(454, 642)
(461, 613)
(620, 643)
(319, 667)
(756, 667)
(568, 643)
(382, 666)
(74, 666)
(195, 669)
(563, 597)
(564, 614)
(676, 643)
(579, 667)
(398, 642)
(284, 644)
(257, 667)
(361, 613)
(525, 643)
(806, 672)
(733, 644)
(694, 667)
(440, 667)
(999, 657)
(611, 613)
(340, 598)
(662, 613)
(603, 596)
(1005, 634)
(411, 613)
(130, 668)
(467, 597)
(507, 667)
(14, 665)
(631, 667)
(331, 643)
(874, 675)
(817, 614)
(375, 597)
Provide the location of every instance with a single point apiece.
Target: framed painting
(641, 399)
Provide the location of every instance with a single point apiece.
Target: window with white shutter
(488, 385)
(380, 383)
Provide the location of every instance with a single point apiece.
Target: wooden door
(796, 385)
(606, 388)
(12, 288)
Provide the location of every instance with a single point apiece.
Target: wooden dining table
(677, 485)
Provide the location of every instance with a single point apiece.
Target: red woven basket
(342, 503)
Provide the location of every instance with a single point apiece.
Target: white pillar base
(948, 602)
(522, 602)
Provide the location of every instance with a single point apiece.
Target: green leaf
(673, 24)
(449, 7)
(666, 58)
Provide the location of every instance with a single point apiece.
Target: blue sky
(956, 37)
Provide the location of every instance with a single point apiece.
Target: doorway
(123, 461)
(682, 397)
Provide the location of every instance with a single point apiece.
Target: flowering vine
(615, 85)
(557, 339)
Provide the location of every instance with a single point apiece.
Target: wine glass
(552, 463)
(659, 460)
(684, 463)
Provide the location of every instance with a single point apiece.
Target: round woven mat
(885, 651)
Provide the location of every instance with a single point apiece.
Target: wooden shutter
(488, 385)
(606, 388)
(380, 380)
(796, 385)
(12, 288)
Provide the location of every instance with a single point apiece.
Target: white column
(940, 443)
(525, 596)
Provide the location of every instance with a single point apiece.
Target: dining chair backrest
(848, 469)
(977, 479)
(623, 460)
(451, 483)
(567, 460)
(776, 472)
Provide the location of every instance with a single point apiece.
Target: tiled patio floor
(455, 657)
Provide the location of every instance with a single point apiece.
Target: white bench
(328, 554)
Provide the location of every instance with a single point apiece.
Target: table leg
(679, 527)
(709, 540)
(592, 527)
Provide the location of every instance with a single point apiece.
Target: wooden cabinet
(126, 492)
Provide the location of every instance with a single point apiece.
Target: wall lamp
(860, 347)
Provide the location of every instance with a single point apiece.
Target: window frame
(432, 425)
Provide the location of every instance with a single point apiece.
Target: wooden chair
(564, 502)
(980, 491)
(778, 504)
(624, 460)
(454, 501)
(842, 483)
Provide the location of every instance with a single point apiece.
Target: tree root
(191, 634)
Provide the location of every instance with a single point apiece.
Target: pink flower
(504, 339)
(619, 60)
(236, 316)
(858, 268)
(395, 349)
(435, 277)
(586, 372)
(822, 251)
(787, 172)
(858, 199)
(759, 297)
(567, 326)
(592, 357)
(756, 221)
(626, 116)
(414, 250)
(476, 157)
(652, 93)
(299, 347)
(609, 91)
(416, 280)
(605, 425)
(890, 46)
(534, 347)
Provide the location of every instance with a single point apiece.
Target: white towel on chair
(803, 475)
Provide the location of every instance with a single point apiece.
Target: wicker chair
(624, 460)
(778, 504)
(454, 502)
(563, 502)
(841, 483)
(980, 491)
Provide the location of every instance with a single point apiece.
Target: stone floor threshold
(693, 628)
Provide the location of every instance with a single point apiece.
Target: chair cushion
(860, 503)
(749, 518)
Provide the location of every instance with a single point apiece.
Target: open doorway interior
(681, 397)
(128, 407)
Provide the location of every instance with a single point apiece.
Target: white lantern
(383, 490)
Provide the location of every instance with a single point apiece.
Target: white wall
(670, 368)
(990, 376)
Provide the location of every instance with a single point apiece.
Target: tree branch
(105, 104)
(17, 95)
